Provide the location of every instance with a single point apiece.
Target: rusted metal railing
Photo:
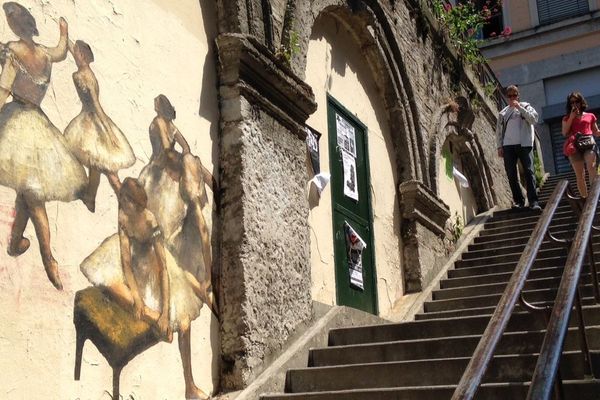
(473, 375)
(546, 370)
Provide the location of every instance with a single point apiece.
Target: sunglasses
(511, 95)
(574, 102)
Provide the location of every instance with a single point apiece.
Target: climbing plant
(463, 22)
(456, 227)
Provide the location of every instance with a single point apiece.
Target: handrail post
(592, 266)
(583, 342)
(559, 392)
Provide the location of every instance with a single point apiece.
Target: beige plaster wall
(335, 66)
(539, 53)
(141, 50)
(520, 18)
(460, 200)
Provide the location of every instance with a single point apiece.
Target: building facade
(553, 50)
(210, 126)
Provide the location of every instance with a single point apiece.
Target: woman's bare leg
(204, 292)
(191, 180)
(89, 198)
(122, 295)
(204, 237)
(591, 165)
(114, 181)
(37, 212)
(185, 350)
(19, 244)
(579, 173)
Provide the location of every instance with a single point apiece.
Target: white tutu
(34, 158)
(171, 211)
(90, 143)
(103, 268)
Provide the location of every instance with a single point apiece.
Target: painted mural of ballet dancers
(177, 182)
(143, 276)
(34, 158)
(92, 136)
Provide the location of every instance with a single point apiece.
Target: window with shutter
(556, 10)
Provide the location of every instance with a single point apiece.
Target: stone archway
(371, 30)
(453, 122)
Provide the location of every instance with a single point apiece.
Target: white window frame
(533, 13)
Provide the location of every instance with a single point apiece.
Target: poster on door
(346, 136)
(350, 181)
(354, 246)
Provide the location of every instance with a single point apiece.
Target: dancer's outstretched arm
(59, 53)
(181, 140)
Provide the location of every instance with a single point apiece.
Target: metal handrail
(473, 375)
(548, 361)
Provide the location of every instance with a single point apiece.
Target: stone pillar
(424, 218)
(265, 266)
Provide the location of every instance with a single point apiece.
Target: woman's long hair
(577, 96)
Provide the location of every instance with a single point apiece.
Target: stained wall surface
(140, 52)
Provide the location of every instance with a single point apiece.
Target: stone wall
(265, 258)
(416, 76)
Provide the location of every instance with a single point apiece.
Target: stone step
(527, 218)
(509, 258)
(444, 327)
(448, 347)
(465, 312)
(493, 288)
(520, 226)
(521, 240)
(501, 277)
(499, 251)
(564, 231)
(503, 368)
(573, 389)
(501, 215)
(550, 262)
(533, 296)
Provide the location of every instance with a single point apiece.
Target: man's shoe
(517, 206)
(535, 206)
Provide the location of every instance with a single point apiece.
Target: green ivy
(456, 227)
(462, 23)
(288, 50)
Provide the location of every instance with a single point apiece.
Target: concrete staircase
(424, 359)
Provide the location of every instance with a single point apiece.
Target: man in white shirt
(515, 133)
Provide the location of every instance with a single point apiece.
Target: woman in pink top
(578, 121)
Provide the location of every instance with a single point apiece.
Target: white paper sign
(355, 246)
(320, 181)
(346, 137)
(462, 180)
(350, 178)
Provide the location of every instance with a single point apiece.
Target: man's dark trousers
(512, 154)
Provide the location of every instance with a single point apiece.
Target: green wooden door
(351, 207)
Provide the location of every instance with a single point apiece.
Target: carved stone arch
(373, 33)
(453, 122)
